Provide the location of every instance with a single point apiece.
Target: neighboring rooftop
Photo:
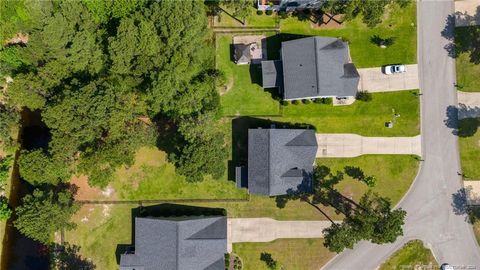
(280, 160)
(188, 243)
(317, 67)
(249, 49)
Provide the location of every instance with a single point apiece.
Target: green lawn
(394, 174)
(399, 24)
(252, 20)
(414, 255)
(245, 95)
(467, 64)
(363, 118)
(469, 153)
(292, 254)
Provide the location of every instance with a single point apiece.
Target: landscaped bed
(399, 24)
(413, 255)
(252, 20)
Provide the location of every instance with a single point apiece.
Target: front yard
(470, 151)
(413, 255)
(467, 58)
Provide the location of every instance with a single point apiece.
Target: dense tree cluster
(94, 68)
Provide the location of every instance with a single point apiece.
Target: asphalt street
(435, 212)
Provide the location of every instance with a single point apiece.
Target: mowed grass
(292, 254)
(100, 228)
(362, 118)
(467, 66)
(413, 255)
(400, 24)
(245, 95)
(153, 177)
(469, 155)
(252, 20)
(394, 174)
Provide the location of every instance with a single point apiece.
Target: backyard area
(413, 255)
(252, 20)
(467, 59)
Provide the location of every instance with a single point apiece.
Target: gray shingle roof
(272, 74)
(317, 67)
(242, 53)
(280, 160)
(178, 244)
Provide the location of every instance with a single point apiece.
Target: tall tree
(37, 168)
(44, 212)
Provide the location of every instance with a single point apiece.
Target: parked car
(446, 266)
(393, 69)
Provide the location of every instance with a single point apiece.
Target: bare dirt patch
(86, 192)
(19, 38)
(328, 21)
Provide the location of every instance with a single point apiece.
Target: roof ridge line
(316, 65)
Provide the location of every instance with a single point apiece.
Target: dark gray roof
(318, 66)
(242, 54)
(280, 160)
(272, 74)
(178, 244)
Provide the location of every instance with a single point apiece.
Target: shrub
(259, 12)
(327, 101)
(318, 100)
(295, 102)
(283, 14)
(5, 210)
(364, 96)
(306, 101)
(269, 12)
(285, 102)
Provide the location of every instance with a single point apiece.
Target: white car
(446, 266)
(393, 69)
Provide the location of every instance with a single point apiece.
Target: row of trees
(371, 218)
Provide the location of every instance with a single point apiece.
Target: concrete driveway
(266, 229)
(434, 214)
(373, 80)
(467, 12)
(468, 104)
(352, 145)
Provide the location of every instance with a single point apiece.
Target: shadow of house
(169, 236)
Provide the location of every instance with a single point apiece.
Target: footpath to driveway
(374, 80)
(352, 145)
(266, 229)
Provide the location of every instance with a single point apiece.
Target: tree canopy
(44, 212)
(94, 68)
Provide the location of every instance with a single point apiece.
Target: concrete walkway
(472, 191)
(467, 12)
(468, 104)
(373, 80)
(352, 145)
(266, 230)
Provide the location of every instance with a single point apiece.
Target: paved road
(266, 229)
(353, 145)
(430, 214)
(374, 80)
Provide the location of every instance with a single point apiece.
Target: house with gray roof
(280, 161)
(186, 243)
(312, 67)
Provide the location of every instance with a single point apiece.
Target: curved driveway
(431, 215)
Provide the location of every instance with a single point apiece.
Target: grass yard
(394, 174)
(363, 118)
(292, 254)
(153, 177)
(469, 153)
(252, 20)
(245, 95)
(413, 255)
(399, 24)
(467, 64)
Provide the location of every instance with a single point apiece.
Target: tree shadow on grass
(468, 123)
(164, 210)
(463, 39)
